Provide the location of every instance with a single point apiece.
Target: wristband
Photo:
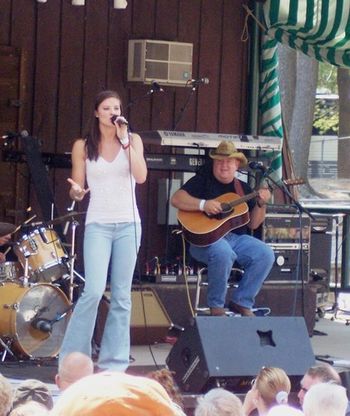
(201, 204)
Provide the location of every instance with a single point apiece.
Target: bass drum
(21, 307)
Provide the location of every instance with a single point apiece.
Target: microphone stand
(72, 271)
(182, 110)
(149, 93)
(281, 185)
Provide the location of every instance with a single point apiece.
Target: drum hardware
(7, 349)
(66, 217)
(39, 302)
(9, 271)
(46, 325)
(72, 257)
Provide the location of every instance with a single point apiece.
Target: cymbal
(67, 217)
(6, 228)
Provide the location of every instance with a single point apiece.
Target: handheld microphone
(257, 165)
(120, 120)
(198, 81)
(156, 87)
(43, 325)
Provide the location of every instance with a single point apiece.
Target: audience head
(273, 387)
(325, 399)
(72, 368)
(33, 390)
(115, 393)
(166, 379)
(6, 396)
(320, 373)
(30, 408)
(219, 402)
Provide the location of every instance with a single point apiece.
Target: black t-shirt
(204, 185)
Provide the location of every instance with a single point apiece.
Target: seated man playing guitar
(217, 231)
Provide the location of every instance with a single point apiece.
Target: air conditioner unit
(155, 60)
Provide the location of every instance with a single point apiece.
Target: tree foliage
(326, 120)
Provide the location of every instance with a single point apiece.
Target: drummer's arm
(5, 239)
(77, 181)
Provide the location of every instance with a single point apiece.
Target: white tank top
(112, 191)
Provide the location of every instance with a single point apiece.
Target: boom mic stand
(183, 109)
(281, 185)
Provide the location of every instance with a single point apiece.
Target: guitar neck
(243, 199)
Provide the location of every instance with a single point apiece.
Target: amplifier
(281, 228)
(292, 264)
(288, 234)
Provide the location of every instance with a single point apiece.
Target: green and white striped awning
(318, 28)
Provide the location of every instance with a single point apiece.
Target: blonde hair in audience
(273, 385)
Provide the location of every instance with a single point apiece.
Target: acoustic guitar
(202, 229)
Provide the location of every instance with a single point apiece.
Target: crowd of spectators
(83, 393)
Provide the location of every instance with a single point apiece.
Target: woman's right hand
(77, 192)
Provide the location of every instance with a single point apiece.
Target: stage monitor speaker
(150, 321)
(229, 352)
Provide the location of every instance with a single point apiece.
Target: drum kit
(34, 310)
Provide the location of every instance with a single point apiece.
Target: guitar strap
(238, 187)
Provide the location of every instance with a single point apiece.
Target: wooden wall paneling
(95, 54)
(69, 113)
(5, 20)
(188, 31)
(166, 20)
(117, 61)
(46, 83)
(23, 36)
(233, 81)
(10, 58)
(143, 19)
(9, 92)
(71, 67)
(166, 28)
(209, 65)
(47, 74)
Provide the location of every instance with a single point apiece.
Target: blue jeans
(105, 243)
(253, 255)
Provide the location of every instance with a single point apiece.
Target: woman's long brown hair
(93, 137)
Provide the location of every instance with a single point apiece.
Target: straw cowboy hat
(227, 150)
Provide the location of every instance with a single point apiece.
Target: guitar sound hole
(226, 208)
